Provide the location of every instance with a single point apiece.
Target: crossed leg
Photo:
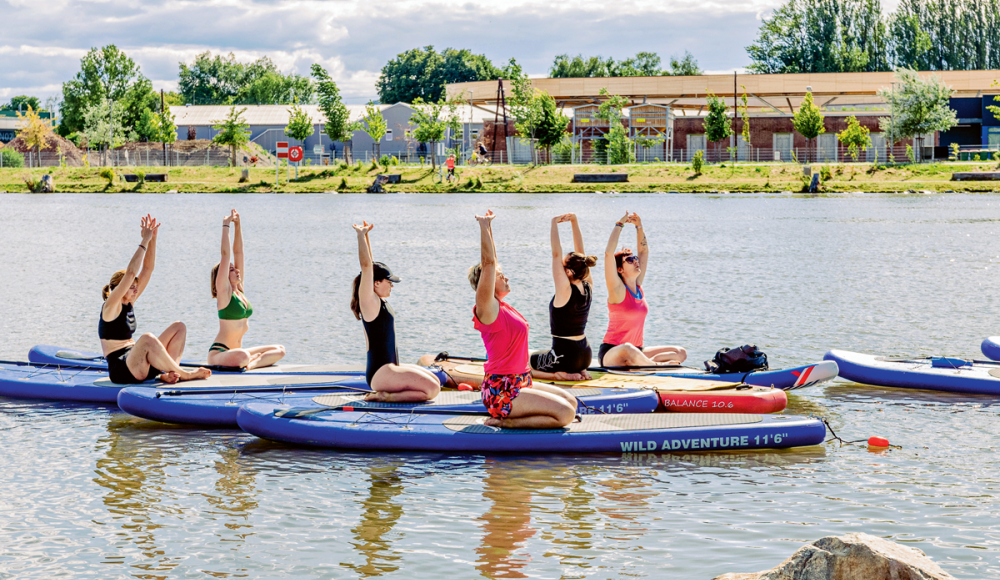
(403, 384)
(666, 354)
(150, 352)
(251, 358)
(627, 355)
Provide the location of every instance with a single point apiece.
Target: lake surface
(88, 491)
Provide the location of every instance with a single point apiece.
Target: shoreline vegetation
(658, 178)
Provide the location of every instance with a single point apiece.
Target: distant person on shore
(135, 361)
(391, 381)
(507, 391)
(627, 308)
(569, 309)
(234, 309)
(450, 164)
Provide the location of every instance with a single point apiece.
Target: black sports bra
(121, 328)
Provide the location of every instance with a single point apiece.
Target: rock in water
(851, 557)
(47, 185)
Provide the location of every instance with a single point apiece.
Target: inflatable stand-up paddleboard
(664, 432)
(784, 379)
(677, 394)
(932, 373)
(45, 354)
(218, 407)
(991, 348)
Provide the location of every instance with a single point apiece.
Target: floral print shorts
(499, 391)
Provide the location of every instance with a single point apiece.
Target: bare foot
(581, 376)
(253, 361)
(493, 422)
(198, 373)
(169, 377)
(378, 397)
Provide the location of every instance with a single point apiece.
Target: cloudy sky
(44, 40)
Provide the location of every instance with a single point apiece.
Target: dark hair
(619, 256)
(215, 274)
(355, 300)
(116, 279)
(579, 264)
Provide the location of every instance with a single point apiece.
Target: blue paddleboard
(931, 373)
(653, 432)
(991, 347)
(784, 379)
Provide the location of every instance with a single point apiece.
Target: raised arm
(223, 292)
(367, 299)
(641, 245)
(149, 260)
(559, 276)
(487, 306)
(616, 288)
(238, 248)
(113, 304)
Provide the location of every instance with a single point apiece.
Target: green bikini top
(237, 309)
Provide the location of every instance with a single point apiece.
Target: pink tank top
(626, 319)
(506, 341)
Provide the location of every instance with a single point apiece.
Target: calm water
(89, 491)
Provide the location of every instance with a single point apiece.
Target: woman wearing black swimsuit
(569, 309)
(134, 361)
(391, 381)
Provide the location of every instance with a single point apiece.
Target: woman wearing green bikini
(235, 309)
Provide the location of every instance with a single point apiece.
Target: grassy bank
(526, 179)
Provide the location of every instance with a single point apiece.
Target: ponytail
(215, 274)
(579, 264)
(355, 300)
(116, 279)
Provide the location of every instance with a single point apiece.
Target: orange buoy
(465, 387)
(878, 442)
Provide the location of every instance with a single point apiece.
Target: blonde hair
(116, 279)
(215, 274)
(475, 272)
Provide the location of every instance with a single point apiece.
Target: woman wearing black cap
(391, 381)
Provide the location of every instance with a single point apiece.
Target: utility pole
(162, 136)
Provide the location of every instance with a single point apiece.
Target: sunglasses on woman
(631, 259)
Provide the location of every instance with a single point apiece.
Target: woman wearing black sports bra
(391, 381)
(569, 309)
(134, 361)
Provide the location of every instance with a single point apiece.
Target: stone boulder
(47, 185)
(851, 557)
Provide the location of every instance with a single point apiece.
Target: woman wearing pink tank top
(510, 397)
(623, 273)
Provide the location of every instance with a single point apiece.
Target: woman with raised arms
(627, 309)
(234, 308)
(569, 309)
(391, 381)
(507, 390)
(134, 361)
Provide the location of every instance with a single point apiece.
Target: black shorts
(565, 356)
(118, 369)
(605, 347)
(451, 171)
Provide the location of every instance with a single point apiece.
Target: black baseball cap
(381, 272)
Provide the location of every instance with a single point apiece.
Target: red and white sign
(295, 154)
(282, 149)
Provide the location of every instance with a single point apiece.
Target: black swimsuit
(121, 328)
(568, 356)
(381, 334)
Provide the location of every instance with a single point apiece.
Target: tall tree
(855, 136)
(577, 67)
(104, 126)
(232, 132)
(718, 125)
(338, 119)
(524, 104)
(224, 80)
(300, 125)
(148, 127)
(106, 74)
(16, 102)
(686, 65)
(551, 123)
(808, 120)
(375, 125)
(619, 145)
(431, 122)
(168, 130)
(424, 72)
(34, 131)
(919, 106)
(643, 64)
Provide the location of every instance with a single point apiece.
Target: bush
(384, 161)
(910, 155)
(140, 178)
(954, 152)
(825, 174)
(698, 162)
(33, 184)
(108, 175)
(343, 184)
(11, 158)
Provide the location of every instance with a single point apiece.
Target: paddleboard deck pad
(930, 373)
(668, 432)
(217, 409)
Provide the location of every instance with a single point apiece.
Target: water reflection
(507, 523)
(374, 533)
(235, 500)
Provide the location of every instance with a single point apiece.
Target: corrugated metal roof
(254, 115)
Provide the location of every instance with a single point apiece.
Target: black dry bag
(743, 359)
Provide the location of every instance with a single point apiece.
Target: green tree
(375, 125)
(104, 126)
(338, 119)
(577, 67)
(25, 100)
(993, 108)
(718, 125)
(106, 74)
(686, 65)
(523, 101)
(173, 98)
(855, 137)
(946, 34)
(224, 80)
(148, 128)
(551, 123)
(744, 112)
(808, 120)
(168, 131)
(300, 124)
(232, 132)
(423, 73)
(431, 122)
(919, 106)
(620, 148)
(34, 131)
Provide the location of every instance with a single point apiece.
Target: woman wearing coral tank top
(623, 273)
(508, 394)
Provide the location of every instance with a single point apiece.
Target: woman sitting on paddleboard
(391, 381)
(570, 354)
(507, 390)
(627, 308)
(234, 308)
(134, 361)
